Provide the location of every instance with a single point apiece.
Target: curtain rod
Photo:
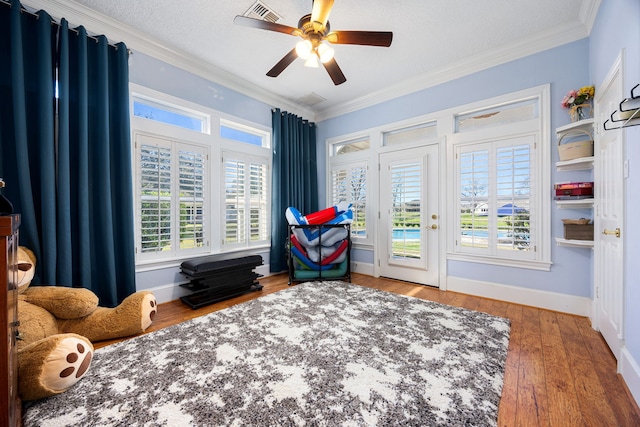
(53, 22)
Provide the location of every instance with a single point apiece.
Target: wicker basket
(575, 149)
(580, 221)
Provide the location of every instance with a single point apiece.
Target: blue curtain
(66, 159)
(294, 177)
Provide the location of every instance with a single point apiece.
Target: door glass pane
(406, 193)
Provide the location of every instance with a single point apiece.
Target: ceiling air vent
(260, 10)
(311, 99)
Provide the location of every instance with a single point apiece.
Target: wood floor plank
(532, 406)
(564, 408)
(547, 353)
(594, 404)
(507, 412)
(604, 363)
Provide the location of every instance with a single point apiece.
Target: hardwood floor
(559, 371)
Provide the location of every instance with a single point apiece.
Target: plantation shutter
(234, 180)
(349, 183)
(191, 193)
(155, 195)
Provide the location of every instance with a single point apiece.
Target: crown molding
(513, 51)
(97, 23)
(589, 12)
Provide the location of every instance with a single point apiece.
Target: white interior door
(408, 247)
(609, 218)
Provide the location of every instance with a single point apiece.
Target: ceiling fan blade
(335, 72)
(283, 63)
(320, 12)
(266, 25)
(366, 38)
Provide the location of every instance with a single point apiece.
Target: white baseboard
(362, 268)
(630, 371)
(542, 299)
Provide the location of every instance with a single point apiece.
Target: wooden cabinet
(9, 403)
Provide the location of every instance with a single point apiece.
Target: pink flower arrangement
(577, 97)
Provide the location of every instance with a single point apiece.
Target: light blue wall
(565, 68)
(158, 75)
(617, 28)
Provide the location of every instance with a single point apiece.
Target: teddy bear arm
(62, 302)
(36, 323)
(133, 316)
(52, 365)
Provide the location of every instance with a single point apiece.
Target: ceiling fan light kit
(314, 29)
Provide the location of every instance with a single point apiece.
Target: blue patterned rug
(315, 354)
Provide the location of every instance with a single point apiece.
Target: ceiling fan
(314, 29)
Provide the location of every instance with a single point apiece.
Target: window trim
(540, 198)
(216, 145)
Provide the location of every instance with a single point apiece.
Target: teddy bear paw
(67, 362)
(149, 309)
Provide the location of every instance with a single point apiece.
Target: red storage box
(574, 190)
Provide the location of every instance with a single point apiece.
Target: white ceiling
(434, 40)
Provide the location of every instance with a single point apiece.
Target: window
(201, 180)
(171, 178)
(246, 200)
(170, 114)
(421, 132)
(245, 134)
(350, 147)
(494, 190)
(349, 183)
(500, 187)
(496, 116)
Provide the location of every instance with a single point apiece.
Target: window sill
(159, 264)
(503, 262)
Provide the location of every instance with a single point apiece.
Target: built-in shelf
(585, 124)
(583, 163)
(573, 130)
(575, 204)
(574, 243)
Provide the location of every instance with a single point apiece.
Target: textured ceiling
(431, 38)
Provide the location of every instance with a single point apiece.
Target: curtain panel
(65, 144)
(294, 178)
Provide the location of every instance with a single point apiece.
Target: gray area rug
(315, 354)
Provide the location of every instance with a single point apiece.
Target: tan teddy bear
(58, 325)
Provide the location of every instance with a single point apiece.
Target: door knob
(434, 226)
(611, 232)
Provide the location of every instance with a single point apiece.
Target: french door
(408, 242)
